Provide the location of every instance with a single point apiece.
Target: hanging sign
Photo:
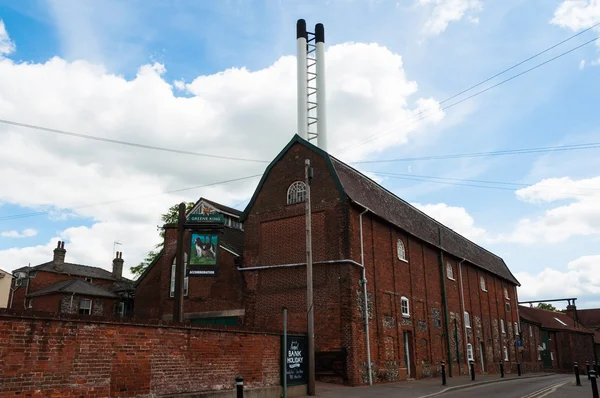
(296, 359)
(207, 218)
(203, 256)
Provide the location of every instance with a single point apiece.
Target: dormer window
(296, 193)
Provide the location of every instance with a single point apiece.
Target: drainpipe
(462, 300)
(445, 303)
(364, 283)
(26, 288)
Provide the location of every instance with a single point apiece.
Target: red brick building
(554, 341)
(590, 318)
(212, 300)
(432, 294)
(61, 287)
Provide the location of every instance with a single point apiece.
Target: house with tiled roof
(554, 340)
(395, 291)
(58, 286)
(208, 299)
(590, 318)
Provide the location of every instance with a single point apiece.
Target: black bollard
(587, 368)
(501, 368)
(596, 367)
(576, 367)
(594, 385)
(239, 385)
(472, 364)
(519, 368)
(443, 373)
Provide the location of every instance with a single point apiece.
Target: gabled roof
(552, 320)
(74, 286)
(589, 318)
(72, 269)
(362, 190)
(218, 206)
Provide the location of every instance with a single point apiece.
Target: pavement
(433, 387)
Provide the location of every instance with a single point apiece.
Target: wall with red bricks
(82, 358)
(205, 294)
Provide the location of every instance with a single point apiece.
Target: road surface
(557, 386)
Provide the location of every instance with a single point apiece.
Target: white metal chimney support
(311, 84)
(301, 41)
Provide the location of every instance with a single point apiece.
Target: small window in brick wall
(85, 307)
(405, 307)
(507, 305)
(516, 328)
(296, 193)
(449, 271)
(467, 320)
(506, 294)
(401, 250)
(502, 326)
(482, 283)
(470, 352)
(505, 353)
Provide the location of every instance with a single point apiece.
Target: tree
(170, 217)
(546, 306)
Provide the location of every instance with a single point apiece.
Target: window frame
(121, 309)
(449, 271)
(88, 309)
(505, 350)
(502, 326)
(516, 326)
(400, 245)
(186, 281)
(482, 283)
(507, 307)
(293, 191)
(89, 279)
(405, 301)
(467, 319)
(530, 331)
(506, 294)
(470, 356)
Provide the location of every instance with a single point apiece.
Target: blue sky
(84, 66)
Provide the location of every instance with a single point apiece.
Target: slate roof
(548, 320)
(589, 318)
(72, 269)
(75, 286)
(359, 188)
(221, 207)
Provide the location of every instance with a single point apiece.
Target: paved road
(525, 388)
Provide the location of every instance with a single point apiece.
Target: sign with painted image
(296, 359)
(203, 258)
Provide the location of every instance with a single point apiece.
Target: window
(505, 353)
(401, 250)
(470, 352)
(121, 309)
(88, 279)
(561, 322)
(405, 307)
(507, 307)
(467, 320)
(186, 279)
(449, 271)
(551, 356)
(539, 357)
(85, 307)
(530, 331)
(516, 325)
(30, 303)
(502, 326)
(506, 294)
(482, 283)
(296, 193)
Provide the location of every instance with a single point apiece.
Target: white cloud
(580, 280)
(581, 64)
(456, 218)
(579, 217)
(28, 232)
(577, 14)
(7, 46)
(445, 11)
(248, 114)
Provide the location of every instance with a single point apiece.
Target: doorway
(408, 355)
(547, 353)
(482, 356)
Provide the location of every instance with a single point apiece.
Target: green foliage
(546, 306)
(170, 217)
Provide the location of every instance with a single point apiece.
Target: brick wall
(83, 358)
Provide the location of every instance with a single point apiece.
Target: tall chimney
(302, 77)
(118, 266)
(59, 256)
(321, 102)
(572, 312)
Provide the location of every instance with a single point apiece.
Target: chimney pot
(59, 256)
(118, 266)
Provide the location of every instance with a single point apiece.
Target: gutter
(445, 303)
(261, 267)
(462, 300)
(364, 282)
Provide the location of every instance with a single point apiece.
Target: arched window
(296, 193)
(506, 294)
(185, 281)
(482, 283)
(401, 250)
(405, 307)
(449, 271)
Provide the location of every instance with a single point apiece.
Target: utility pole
(179, 271)
(308, 175)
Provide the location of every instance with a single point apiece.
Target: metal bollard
(501, 368)
(239, 384)
(443, 373)
(518, 368)
(576, 367)
(472, 364)
(587, 369)
(594, 385)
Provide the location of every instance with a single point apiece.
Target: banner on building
(295, 359)
(203, 256)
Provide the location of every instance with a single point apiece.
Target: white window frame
(296, 193)
(530, 331)
(506, 294)
(30, 303)
(81, 308)
(507, 307)
(405, 304)
(88, 279)
(551, 356)
(401, 251)
(450, 271)
(470, 356)
(539, 355)
(185, 280)
(121, 309)
(502, 326)
(467, 320)
(505, 353)
(516, 325)
(482, 283)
